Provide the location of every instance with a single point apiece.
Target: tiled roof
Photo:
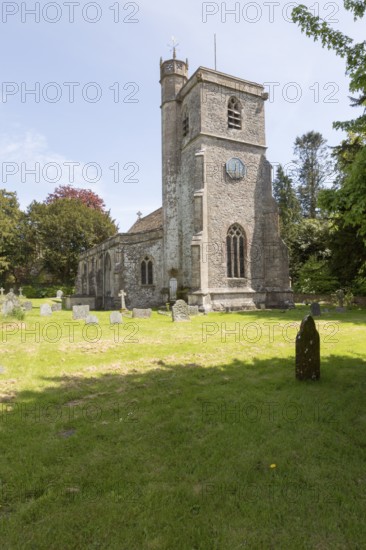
(149, 222)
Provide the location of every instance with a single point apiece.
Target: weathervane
(173, 47)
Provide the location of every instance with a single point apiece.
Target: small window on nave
(147, 275)
(234, 114)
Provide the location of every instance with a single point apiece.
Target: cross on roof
(139, 214)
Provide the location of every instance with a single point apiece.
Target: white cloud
(30, 167)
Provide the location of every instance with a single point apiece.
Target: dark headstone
(315, 309)
(308, 351)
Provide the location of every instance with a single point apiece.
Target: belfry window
(235, 252)
(147, 275)
(185, 123)
(234, 114)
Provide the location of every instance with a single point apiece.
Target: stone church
(215, 240)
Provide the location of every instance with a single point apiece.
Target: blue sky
(120, 54)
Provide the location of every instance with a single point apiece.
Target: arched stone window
(185, 122)
(147, 271)
(234, 113)
(235, 252)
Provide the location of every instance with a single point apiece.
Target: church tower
(173, 77)
(221, 232)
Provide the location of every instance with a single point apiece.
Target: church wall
(139, 295)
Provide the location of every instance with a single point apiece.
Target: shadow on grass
(181, 456)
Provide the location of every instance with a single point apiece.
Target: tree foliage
(288, 204)
(314, 168)
(86, 196)
(345, 203)
(65, 228)
(10, 218)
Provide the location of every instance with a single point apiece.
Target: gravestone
(27, 306)
(315, 309)
(262, 306)
(91, 320)
(56, 307)
(59, 294)
(45, 310)
(80, 312)
(20, 292)
(308, 351)
(2, 290)
(141, 313)
(7, 307)
(340, 309)
(193, 310)
(115, 318)
(180, 311)
(173, 285)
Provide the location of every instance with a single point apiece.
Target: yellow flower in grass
(273, 466)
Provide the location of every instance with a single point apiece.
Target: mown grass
(162, 435)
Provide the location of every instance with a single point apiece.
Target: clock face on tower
(235, 169)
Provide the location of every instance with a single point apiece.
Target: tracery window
(235, 244)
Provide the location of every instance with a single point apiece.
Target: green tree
(62, 230)
(347, 199)
(288, 204)
(314, 167)
(310, 238)
(315, 276)
(10, 216)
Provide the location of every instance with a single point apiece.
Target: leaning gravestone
(27, 306)
(141, 313)
(180, 311)
(193, 310)
(308, 351)
(56, 307)
(315, 309)
(80, 312)
(91, 320)
(46, 310)
(115, 318)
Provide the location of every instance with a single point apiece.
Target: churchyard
(158, 434)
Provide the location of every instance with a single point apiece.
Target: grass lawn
(161, 435)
